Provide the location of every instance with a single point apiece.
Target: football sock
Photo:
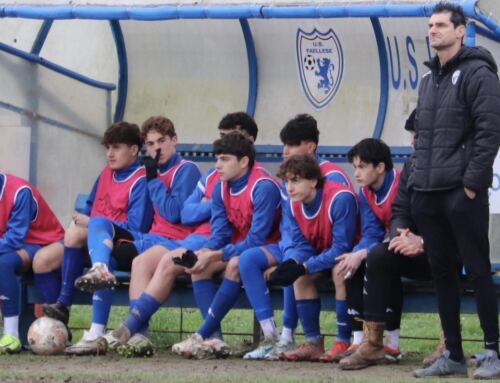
(141, 313)
(252, 264)
(72, 268)
(343, 325)
(224, 300)
(48, 285)
(10, 264)
(309, 310)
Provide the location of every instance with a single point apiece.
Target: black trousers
(452, 226)
(383, 286)
(357, 287)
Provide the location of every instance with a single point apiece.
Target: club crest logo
(320, 63)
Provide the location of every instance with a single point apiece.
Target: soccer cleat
(97, 278)
(186, 347)
(443, 366)
(350, 350)
(336, 351)
(137, 346)
(56, 311)
(261, 351)
(213, 347)
(392, 355)
(115, 338)
(88, 345)
(278, 349)
(489, 367)
(10, 344)
(310, 351)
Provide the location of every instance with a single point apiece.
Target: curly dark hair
(236, 144)
(302, 166)
(162, 125)
(122, 133)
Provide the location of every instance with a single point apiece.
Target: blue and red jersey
(376, 211)
(246, 213)
(323, 229)
(25, 216)
(176, 181)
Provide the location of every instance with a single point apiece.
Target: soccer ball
(309, 63)
(47, 336)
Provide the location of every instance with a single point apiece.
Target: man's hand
(407, 244)
(470, 193)
(81, 220)
(187, 260)
(286, 273)
(151, 165)
(348, 263)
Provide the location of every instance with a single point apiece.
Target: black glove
(187, 260)
(151, 165)
(286, 273)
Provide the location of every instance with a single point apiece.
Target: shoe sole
(85, 352)
(127, 351)
(91, 286)
(55, 314)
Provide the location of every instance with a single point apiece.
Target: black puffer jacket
(458, 123)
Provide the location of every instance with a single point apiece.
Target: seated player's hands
(205, 258)
(348, 263)
(287, 273)
(81, 220)
(187, 259)
(407, 243)
(151, 165)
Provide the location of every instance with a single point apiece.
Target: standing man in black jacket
(458, 135)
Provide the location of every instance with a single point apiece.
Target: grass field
(420, 332)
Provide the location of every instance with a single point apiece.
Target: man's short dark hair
(302, 127)
(240, 121)
(302, 166)
(236, 144)
(457, 14)
(372, 151)
(122, 133)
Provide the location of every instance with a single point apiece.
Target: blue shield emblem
(320, 63)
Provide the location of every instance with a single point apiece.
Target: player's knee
(337, 277)
(168, 269)
(99, 223)
(232, 270)
(75, 236)
(245, 261)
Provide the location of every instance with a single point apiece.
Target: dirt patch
(166, 367)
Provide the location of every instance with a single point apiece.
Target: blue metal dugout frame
(113, 14)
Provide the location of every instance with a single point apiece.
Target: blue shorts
(275, 251)
(146, 241)
(31, 249)
(193, 242)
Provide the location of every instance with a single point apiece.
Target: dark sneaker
(97, 278)
(443, 366)
(56, 311)
(489, 368)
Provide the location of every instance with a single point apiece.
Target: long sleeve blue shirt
(23, 212)
(266, 199)
(343, 213)
(140, 209)
(372, 229)
(195, 210)
(169, 203)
